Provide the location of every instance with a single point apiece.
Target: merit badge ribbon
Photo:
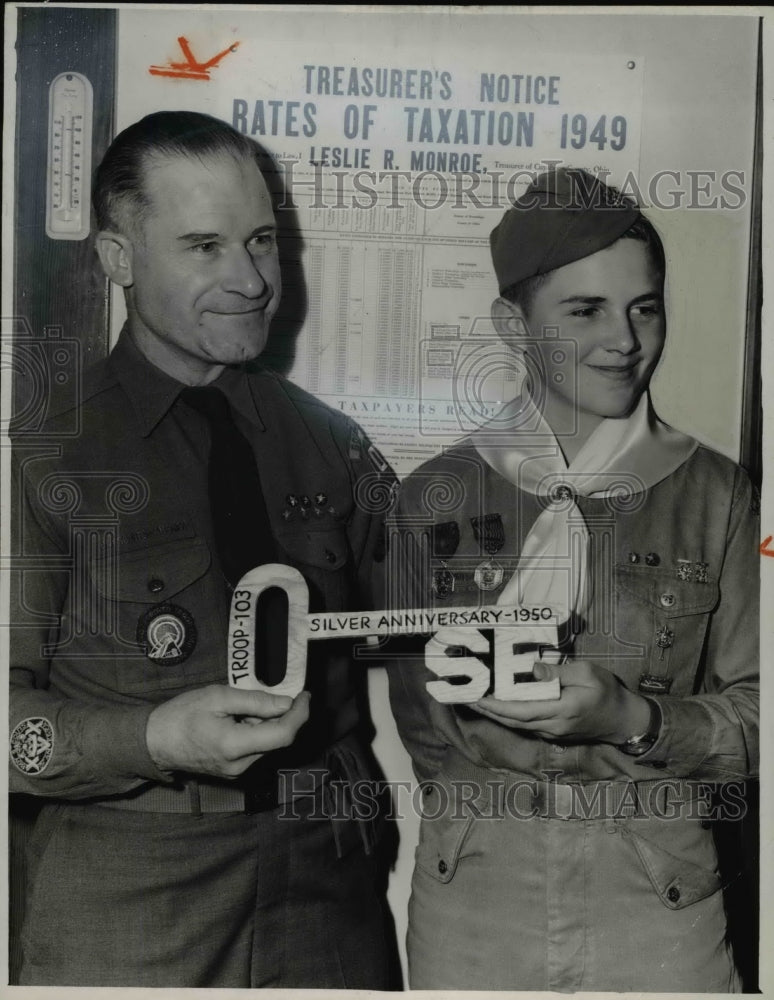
(490, 535)
(444, 540)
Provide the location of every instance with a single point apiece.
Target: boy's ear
(509, 322)
(115, 254)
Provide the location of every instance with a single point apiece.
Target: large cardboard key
(521, 635)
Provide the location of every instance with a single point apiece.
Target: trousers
(122, 898)
(517, 902)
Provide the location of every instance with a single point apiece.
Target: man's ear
(509, 322)
(115, 254)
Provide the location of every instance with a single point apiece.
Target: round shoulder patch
(166, 633)
(32, 743)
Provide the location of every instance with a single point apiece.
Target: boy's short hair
(566, 214)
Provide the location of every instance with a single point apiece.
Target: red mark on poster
(765, 550)
(191, 69)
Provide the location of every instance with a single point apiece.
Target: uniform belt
(203, 795)
(524, 796)
(594, 800)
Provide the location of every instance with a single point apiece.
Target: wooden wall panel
(58, 283)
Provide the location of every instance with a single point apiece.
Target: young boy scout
(566, 842)
(161, 856)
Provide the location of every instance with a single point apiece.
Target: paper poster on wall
(398, 166)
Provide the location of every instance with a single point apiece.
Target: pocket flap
(441, 839)
(152, 575)
(326, 548)
(677, 881)
(651, 586)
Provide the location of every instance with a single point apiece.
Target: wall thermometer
(68, 194)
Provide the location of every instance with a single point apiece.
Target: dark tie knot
(209, 401)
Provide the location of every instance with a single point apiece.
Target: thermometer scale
(69, 157)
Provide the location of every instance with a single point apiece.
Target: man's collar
(241, 394)
(152, 392)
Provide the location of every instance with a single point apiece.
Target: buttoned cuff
(685, 737)
(115, 738)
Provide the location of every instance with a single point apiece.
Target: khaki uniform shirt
(681, 557)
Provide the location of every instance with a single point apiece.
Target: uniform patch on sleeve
(360, 444)
(355, 443)
(378, 460)
(32, 744)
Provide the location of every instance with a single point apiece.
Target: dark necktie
(240, 522)
(242, 534)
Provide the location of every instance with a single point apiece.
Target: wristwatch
(636, 746)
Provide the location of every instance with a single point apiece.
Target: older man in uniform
(167, 852)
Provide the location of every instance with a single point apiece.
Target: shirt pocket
(664, 621)
(153, 575)
(166, 616)
(322, 555)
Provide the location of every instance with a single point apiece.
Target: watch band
(636, 746)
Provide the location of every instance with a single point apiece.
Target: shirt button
(155, 585)
(330, 556)
(673, 894)
(667, 600)
(634, 557)
(443, 867)
(652, 559)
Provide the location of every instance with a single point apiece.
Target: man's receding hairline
(159, 157)
(130, 209)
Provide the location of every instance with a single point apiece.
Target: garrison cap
(564, 215)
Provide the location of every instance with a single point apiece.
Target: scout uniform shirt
(673, 613)
(120, 603)
(591, 868)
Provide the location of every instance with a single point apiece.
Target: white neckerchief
(621, 458)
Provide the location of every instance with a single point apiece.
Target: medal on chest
(444, 540)
(490, 535)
